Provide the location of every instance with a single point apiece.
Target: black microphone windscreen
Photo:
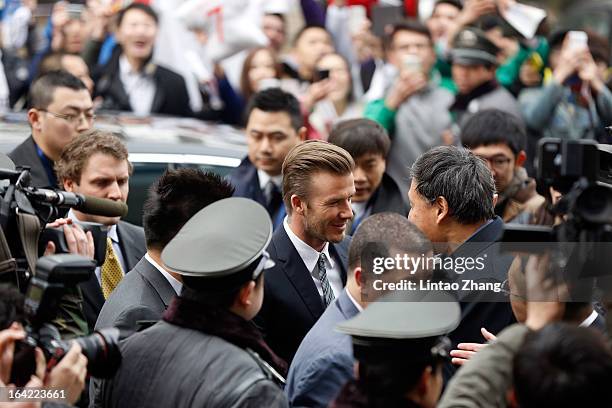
(102, 206)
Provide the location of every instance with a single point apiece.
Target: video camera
(54, 274)
(23, 209)
(581, 170)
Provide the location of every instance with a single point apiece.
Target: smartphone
(357, 16)
(577, 40)
(322, 74)
(384, 17)
(411, 63)
(75, 11)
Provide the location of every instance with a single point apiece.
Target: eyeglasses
(505, 289)
(498, 162)
(71, 118)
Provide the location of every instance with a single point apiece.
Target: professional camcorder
(54, 274)
(24, 211)
(581, 170)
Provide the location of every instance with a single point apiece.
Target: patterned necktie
(328, 293)
(111, 270)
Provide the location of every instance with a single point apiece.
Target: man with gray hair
(452, 197)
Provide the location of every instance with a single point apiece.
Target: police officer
(400, 347)
(206, 351)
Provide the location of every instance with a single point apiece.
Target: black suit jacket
(132, 243)
(171, 97)
(292, 303)
(26, 155)
(476, 313)
(142, 295)
(245, 180)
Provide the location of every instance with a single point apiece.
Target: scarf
(463, 100)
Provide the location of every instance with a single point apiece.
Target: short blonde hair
(307, 159)
(75, 156)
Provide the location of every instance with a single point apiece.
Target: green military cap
(472, 47)
(404, 327)
(225, 243)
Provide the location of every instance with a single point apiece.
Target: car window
(146, 173)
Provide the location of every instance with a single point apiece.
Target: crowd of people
(258, 289)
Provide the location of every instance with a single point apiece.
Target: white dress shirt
(310, 257)
(139, 86)
(176, 285)
(589, 320)
(264, 178)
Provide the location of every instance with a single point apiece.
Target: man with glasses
(61, 109)
(499, 138)
(412, 107)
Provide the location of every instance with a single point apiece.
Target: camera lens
(102, 352)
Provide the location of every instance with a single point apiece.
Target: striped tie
(328, 293)
(111, 270)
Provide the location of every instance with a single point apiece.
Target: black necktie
(274, 198)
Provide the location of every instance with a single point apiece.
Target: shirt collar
(264, 178)
(126, 69)
(175, 283)
(352, 299)
(308, 254)
(589, 320)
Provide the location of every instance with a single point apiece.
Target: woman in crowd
(337, 103)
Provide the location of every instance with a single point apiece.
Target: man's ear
(442, 208)
(302, 133)
(425, 381)
(511, 398)
(297, 205)
(69, 185)
(520, 159)
(495, 199)
(34, 119)
(244, 295)
(357, 275)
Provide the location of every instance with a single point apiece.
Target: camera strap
(29, 232)
(8, 264)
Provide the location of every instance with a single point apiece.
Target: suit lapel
(130, 255)
(161, 285)
(160, 93)
(293, 266)
(341, 256)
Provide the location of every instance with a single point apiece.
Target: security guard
(206, 352)
(400, 345)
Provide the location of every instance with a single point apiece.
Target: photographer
(537, 359)
(68, 375)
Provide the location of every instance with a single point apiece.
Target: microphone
(80, 202)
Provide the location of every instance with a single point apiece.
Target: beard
(317, 228)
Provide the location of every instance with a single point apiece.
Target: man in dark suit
(310, 248)
(61, 109)
(96, 164)
(274, 126)
(452, 199)
(144, 293)
(130, 81)
(324, 361)
(376, 192)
